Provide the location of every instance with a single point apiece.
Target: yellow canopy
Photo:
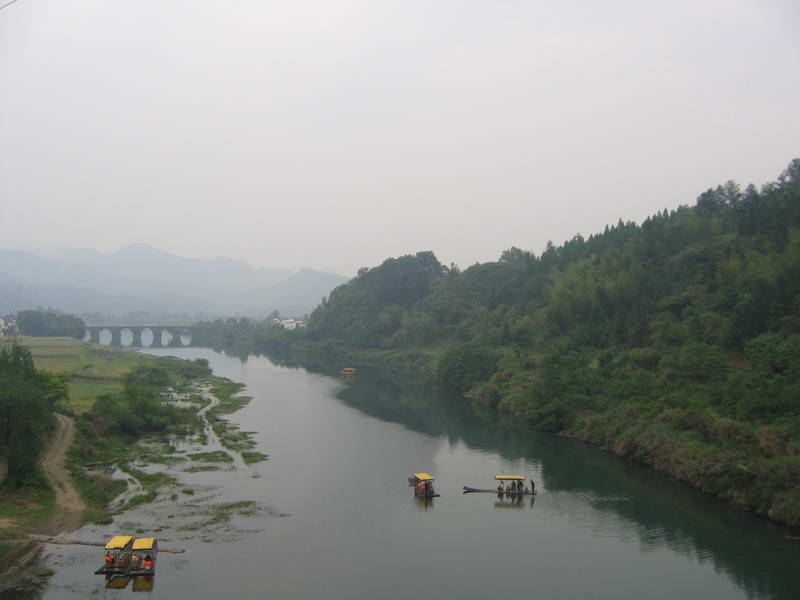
(144, 543)
(510, 477)
(423, 476)
(118, 542)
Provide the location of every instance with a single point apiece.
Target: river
(334, 517)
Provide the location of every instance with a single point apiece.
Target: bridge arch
(140, 336)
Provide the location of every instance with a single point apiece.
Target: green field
(93, 369)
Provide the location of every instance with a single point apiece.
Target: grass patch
(254, 457)
(152, 481)
(97, 490)
(224, 390)
(166, 460)
(216, 456)
(202, 469)
(27, 507)
(229, 434)
(83, 393)
(139, 500)
(220, 514)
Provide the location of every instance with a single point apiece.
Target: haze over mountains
(143, 279)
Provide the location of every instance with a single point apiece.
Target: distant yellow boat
(347, 372)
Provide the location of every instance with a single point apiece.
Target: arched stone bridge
(176, 333)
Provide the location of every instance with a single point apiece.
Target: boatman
(108, 559)
(533, 487)
(148, 562)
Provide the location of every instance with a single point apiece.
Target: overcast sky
(334, 134)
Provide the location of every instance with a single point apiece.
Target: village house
(289, 323)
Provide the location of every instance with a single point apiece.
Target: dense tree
(48, 323)
(26, 411)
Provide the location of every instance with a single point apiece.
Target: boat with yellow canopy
(423, 485)
(510, 485)
(117, 555)
(143, 557)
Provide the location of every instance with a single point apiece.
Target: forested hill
(719, 273)
(675, 341)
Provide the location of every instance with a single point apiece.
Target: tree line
(42, 323)
(28, 398)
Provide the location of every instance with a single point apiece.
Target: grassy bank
(229, 434)
(93, 370)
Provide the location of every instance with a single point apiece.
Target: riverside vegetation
(117, 400)
(675, 342)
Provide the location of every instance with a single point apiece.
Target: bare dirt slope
(69, 507)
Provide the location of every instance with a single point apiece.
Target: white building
(289, 323)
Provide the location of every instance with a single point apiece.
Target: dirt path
(69, 507)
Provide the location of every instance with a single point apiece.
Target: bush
(465, 364)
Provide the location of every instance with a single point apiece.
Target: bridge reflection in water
(136, 336)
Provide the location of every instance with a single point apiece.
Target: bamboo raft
(427, 495)
(470, 490)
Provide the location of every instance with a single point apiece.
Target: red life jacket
(108, 559)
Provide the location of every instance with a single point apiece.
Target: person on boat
(108, 560)
(134, 561)
(148, 562)
(533, 487)
(500, 488)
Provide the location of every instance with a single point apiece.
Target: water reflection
(594, 489)
(512, 502)
(424, 503)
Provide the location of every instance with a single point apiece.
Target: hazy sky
(333, 134)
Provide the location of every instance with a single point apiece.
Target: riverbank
(101, 460)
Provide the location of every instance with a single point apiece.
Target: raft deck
(469, 490)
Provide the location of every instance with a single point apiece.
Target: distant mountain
(141, 278)
(290, 296)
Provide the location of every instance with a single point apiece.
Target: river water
(335, 518)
